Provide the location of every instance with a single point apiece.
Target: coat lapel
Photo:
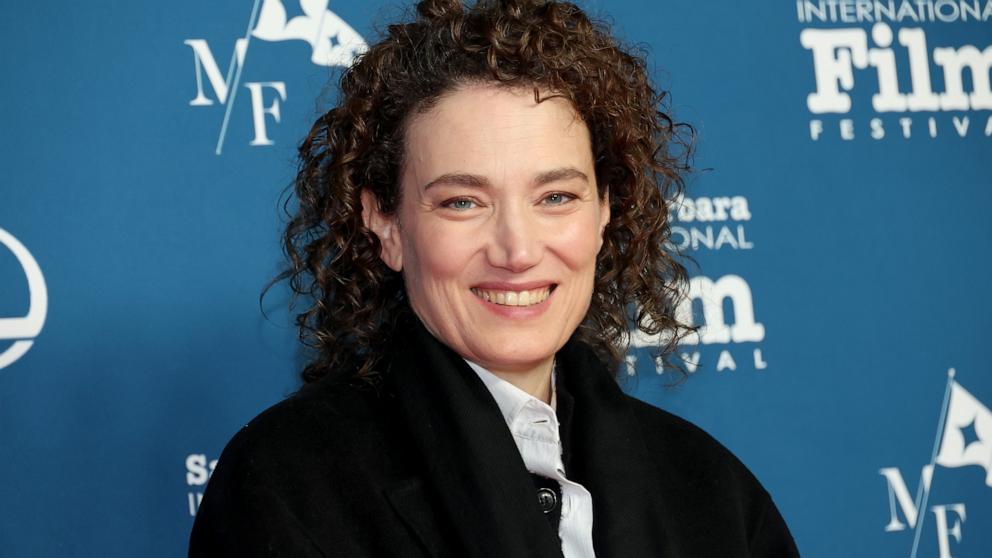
(606, 453)
(470, 463)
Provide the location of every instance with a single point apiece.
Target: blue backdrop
(840, 230)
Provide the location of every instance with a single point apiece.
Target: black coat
(424, 466)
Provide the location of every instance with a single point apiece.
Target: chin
(512, 355)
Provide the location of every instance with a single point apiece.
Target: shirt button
(547, 499)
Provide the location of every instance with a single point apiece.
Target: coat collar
(473, 470)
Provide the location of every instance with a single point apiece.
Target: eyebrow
(478, 181)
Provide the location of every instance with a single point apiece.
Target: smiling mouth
(515, 298)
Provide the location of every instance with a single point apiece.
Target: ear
(385, 227)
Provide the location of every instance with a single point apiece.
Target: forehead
(497, 132)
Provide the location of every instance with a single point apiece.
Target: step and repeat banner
(838, 222)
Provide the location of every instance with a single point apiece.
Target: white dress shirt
(535, 430)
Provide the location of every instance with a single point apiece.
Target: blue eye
(558, 198)
(459, 204)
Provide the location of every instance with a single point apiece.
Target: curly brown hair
(641, 158)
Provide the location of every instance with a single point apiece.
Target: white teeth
(514, 298)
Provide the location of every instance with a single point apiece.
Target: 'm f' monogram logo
(948, 518)
(964, 439)
(332, 42)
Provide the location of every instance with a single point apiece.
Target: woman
(477, 218)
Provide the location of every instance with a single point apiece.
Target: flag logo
(963, 439)
(967, 436)
(332, 43)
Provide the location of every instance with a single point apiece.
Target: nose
(516, 242)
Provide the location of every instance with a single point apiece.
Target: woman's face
(498, 226)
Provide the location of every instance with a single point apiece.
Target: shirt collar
(509, 397)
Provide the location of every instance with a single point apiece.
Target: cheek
(438, 257)
(578, 243)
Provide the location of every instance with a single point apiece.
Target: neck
(535, 380)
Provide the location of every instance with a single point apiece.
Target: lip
(507, 286)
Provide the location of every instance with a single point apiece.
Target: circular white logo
(23, 330)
